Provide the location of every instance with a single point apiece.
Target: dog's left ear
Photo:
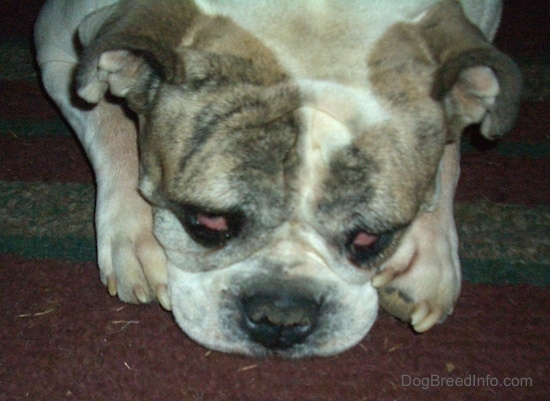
(475, 82)
(479, 86)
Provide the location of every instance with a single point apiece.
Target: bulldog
(273, 171)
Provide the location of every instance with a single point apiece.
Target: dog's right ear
(129, 50)
(127, 67)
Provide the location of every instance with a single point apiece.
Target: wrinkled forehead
(318, 151)
(360, 160)
(236, 148)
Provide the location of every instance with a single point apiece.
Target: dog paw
(420, 283)
(132, 263)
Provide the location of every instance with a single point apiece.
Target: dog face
(265, 199)
(276, 197)
(274, 214)
(265, 212)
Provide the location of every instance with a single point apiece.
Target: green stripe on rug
(84, 250)
(31, 128)
(514, 149)
(489, 231)
(505, 272)
(17, 61)
(43, 210)
(498, 243)
(67, 248)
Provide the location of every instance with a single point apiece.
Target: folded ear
(480, 86)
(475, 82)
(127, 67)
(129, 47)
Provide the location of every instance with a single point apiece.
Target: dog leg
(420, 283)
(131, 261)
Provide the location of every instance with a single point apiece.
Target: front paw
(132, 263)
(420, 283)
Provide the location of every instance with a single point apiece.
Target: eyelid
(370, 254)
(363, 256)
(203, 226)
(377, 227)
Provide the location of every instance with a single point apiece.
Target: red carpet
(63, 337)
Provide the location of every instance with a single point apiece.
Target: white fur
(131, 261)
(201, 298)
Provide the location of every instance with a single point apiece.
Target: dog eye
(211, 229)
(363, 246)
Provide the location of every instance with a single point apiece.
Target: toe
(111, 285)
(384, 277)
(141, 294)
(162, 295)
(424, 318)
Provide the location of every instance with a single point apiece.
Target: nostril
(279, 322)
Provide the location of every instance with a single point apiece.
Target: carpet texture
(62, 337)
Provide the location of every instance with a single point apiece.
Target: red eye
(362, 246)
(211, 229)
(214, 223)
(364, 239)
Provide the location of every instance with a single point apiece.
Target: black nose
(279, 321)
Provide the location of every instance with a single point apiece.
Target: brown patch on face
(216, 120)
(233, 147)
(348, 182)
(401, 70)
(379, 181)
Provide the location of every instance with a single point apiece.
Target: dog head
(276, 197)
